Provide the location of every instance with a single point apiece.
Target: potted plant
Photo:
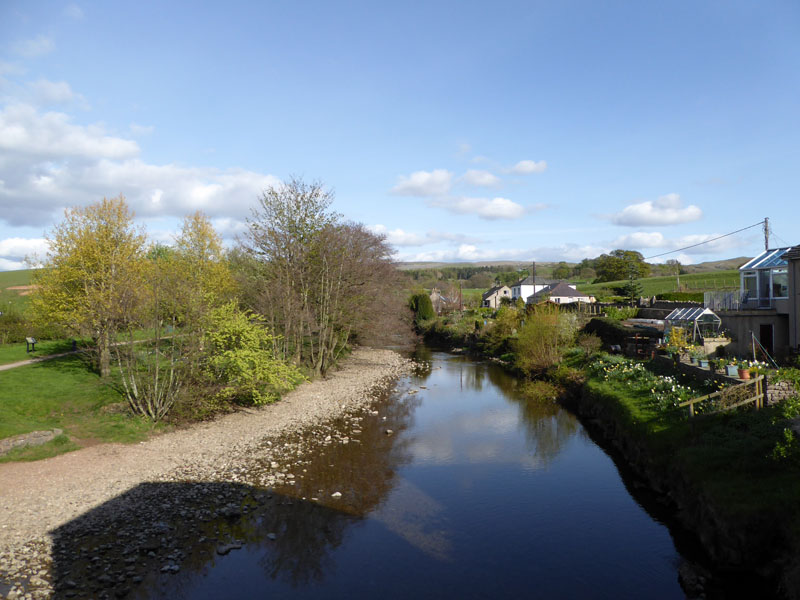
(744, 370)
(703, 362)
(731, 368)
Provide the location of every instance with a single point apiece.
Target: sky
(462, 131)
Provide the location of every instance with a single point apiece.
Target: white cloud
(485, 208)
(424, 183)
(399, 237)
(480, 178)
(526, 167)
(21, 247)
(141, 130)
(48, 163)
(38, 46)
(51, 135)
(73, 11)
(473, 253)
(667, 210)
(640, 239)
(644, 240)
(47, 92)
(12, 265)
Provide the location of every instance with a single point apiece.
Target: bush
(621, 313)
(422, 307)
(541, 341)
(241, 357)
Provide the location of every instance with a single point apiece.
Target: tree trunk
(104, 355)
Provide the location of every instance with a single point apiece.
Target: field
(652, 286)
(10, 299)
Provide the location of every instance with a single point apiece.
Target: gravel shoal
(39, 497)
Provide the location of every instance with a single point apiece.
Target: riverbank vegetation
(733, 476)
(180, 332)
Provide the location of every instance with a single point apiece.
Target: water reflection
(457, 487)
(478, 427)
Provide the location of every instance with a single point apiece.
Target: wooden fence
(757, 397)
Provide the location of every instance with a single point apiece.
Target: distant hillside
(12, 288)
(717, 265)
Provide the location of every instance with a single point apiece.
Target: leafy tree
(240, 358)
(420, 304)
(561, 271)
(320, 283)
(541, 341)
(199, 250)
(92, 278)
(618, 265)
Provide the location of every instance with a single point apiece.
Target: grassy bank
(653, 286)
(733, 477)
(63, 393)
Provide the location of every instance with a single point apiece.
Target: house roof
(767, 259)
(493, 290)
(792, 253)
(559, 289)
(539, 281)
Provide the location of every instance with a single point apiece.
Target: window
(749, 284)
(780, 283)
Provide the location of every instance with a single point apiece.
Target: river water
(475, 493)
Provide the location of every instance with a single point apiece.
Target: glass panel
(763, 288)
(780, 283)
(750, 287)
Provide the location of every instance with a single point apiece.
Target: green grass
(11, 353)
(10, 299)
(59, 445)
(728, 457)
(652, 286)
(64, 393)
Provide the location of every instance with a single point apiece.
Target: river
(458, 487)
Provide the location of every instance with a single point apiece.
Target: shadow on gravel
(164, 539)
(158, 535)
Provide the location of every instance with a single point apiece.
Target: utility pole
(766, 233)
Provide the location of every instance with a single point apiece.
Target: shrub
(422, 307)
(240, 356)
(541, 341)
(589, 343)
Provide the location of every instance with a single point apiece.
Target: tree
(561, 271)
(319, 282)
(618, 264)
(92, 278)
(420, 304)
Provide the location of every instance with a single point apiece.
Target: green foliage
(589, 343)
(621, 313)
(240, 357)
(543, 338)
(619, 264)
(422, 307)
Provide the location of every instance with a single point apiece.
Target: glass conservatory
(702, 322)
(765, 279)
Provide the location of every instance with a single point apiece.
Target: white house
(560, 293)
(526, 288)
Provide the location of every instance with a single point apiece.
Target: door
(765, 337)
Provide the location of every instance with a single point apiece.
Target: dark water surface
(476, 493)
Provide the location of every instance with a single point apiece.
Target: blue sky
(460, 130)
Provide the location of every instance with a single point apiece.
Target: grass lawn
(15, 352)
(63, 393)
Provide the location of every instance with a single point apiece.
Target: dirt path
(37, 497)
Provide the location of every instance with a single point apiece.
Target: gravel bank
(42, 497)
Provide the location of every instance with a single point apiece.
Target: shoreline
(39, 498)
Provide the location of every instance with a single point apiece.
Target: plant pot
(693, 360)
(731, 370)
(744, 373)
(703, 364)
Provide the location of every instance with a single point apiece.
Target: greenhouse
(702, 322)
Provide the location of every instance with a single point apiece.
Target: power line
(759, 224)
